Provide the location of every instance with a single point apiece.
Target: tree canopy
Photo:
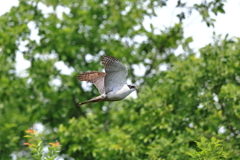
(196, 95)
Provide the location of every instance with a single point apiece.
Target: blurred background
(182, 55)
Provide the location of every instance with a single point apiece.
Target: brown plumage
(95, 77)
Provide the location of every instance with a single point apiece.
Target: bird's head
(133, 87)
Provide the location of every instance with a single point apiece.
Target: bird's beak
(136, 88)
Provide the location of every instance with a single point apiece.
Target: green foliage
(209, 150)
(195, 96)
(36, 147)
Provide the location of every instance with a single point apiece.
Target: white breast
(119, 94)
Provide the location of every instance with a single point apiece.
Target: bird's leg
(93, 100)
(103, 96)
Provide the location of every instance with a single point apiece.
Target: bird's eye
(131, 86)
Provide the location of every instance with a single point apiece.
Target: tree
(193, 98)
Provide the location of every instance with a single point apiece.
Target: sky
(225, 24)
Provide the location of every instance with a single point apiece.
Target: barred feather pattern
(95, 77)
(116, 73)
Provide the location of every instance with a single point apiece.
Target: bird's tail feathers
(93, 100)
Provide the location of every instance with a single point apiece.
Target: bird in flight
(111, 84)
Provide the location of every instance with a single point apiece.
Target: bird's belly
(114, 97)
(118, 95)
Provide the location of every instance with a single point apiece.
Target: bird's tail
(93, 100)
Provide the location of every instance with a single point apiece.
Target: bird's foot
(103, 96)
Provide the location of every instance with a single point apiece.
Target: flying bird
(111, 84)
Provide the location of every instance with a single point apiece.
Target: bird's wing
(96, 99)
(116, 73)
(95, 77)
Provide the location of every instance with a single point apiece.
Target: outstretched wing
(116, 73)
(95, 77)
